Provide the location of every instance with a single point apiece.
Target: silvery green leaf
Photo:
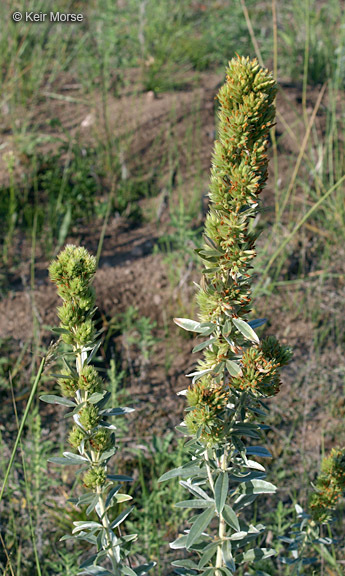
(255, 465)
(182, 471)
(255, 554)
(221, 491)
(227, 555)
(258, 487)
(186, 324)
(199, 526)
(204, 344)
(80, 525)
(92, 505)
(96, 397)
(196, 503)
(66, 461)
(111, 495)
(233, 368)
(238, 535)
(246, 330)
(116, 411)
(96, 571)
(121, 517)
(199, 374)
(71, 455)
(186, 563)
(108, 454)
(120, 477)
(195, 490)
(144, 568)
(243, 501)
(127, 570)
(207, 555)
(52, 399)
(256, 323)
(230, 517)
(259, 451)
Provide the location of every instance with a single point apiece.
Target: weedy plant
(238, 371)
(92, 435)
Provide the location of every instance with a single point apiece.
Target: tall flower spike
(237, 371)
(92, 435)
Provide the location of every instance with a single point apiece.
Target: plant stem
(222, 525)
(105, 522)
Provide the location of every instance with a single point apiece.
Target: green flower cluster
(330, 485)
(239, 172)
(73, 272)
(206, 406)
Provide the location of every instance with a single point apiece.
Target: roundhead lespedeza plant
(92, 435)
(238, 372)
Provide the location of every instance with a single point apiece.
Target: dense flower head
(68, 385)
(330, 485)
(73, 271)
(101, 440)
(76, 436)
(89, 416)
(94, 477)
(205, 411)
(89, 379)
(234, 357)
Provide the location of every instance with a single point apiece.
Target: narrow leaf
(52, 399)
(221, 491)
(199, 526)
(246, 330)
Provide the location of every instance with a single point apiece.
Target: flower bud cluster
(73, 272)
(206, 406)
(239, 172)
(330, 485)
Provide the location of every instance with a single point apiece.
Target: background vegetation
(107, 133)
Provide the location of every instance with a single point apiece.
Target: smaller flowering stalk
(305, 536)
(329, 487)
(92, 435)
(238, 371)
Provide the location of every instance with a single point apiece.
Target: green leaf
(246, 330)
(127, 570)
(227, 555)
(195, 490)
(255, 554)
(204, 344)
(179, 543)
(96, 397)
(52, 399)
(108, 454)
(186, 563)
(199, 526)
(144, 568)
(71, 460)
(221, 491)
(259, 451)
(81, 525)
(96, 571)
(119, 477)
(186, 324)
(258, 487)
(183, 472)
(207, 555)
(233, 368)
(256, 323)
(116, 411)
(196, 503)
(121, 517)
(230, 517)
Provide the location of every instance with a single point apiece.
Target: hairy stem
(222, 525)
(106, 525)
